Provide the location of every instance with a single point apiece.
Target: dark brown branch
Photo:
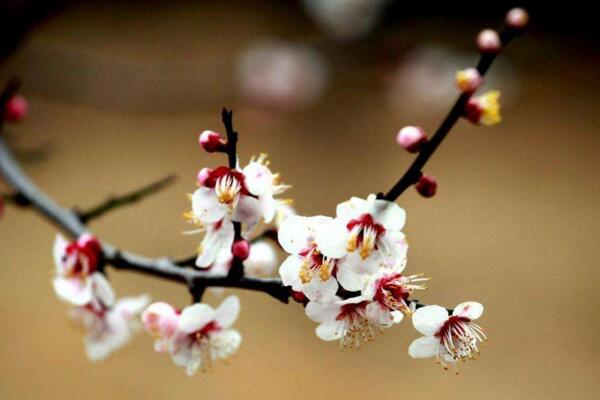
(412, 175)
(115, 202)
(69, 222)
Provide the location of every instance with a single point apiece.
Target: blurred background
(118, 92)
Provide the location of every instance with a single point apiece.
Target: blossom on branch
(196, 336)
(484, 109)
(448, 338)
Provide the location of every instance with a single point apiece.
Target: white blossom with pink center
(204, 335)
(448, 338)
(77, 281)
(373, 237)
(109, 328)
(316, 244)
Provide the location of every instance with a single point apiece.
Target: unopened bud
(517, 18)
(426, 186)
(488, 41)
(468, 80)
(212, 142)
(203, 176)
(298, 297)
(411, 138)
(241, 249)
(16, 109)
(89, 242)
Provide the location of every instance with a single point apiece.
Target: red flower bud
(16, 109)
(426, 186)
(488, 41)
(298, 296)
(241, 249)
(411, 138)
(212, 142)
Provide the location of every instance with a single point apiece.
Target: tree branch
(115, 202)
(412, 175)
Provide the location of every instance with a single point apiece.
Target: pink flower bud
(426, 186)
(411, 138)
(16, 109)
(517, 18)
(241, 249)
(488, 41)
(212, 141)
(203, 175)
(160, 320)
(298, 297)
(468, 80)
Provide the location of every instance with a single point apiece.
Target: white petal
(262, 259)
(389, 214)
(206, 206)
(130, 307)
(429, 319)
(247, 211)
(470, 309)
(181, 353)
(218, 237)
(379, 315)
(424, 347)
(395, 245)
(294, 234)
(320, 291)
(102, 289)
(350, 279)
(224, 343)
(351, 209)
(289, 270)
(330, 330)
(319, 312)
(59, 250)
(73, 290)
(195, 317)
(268, 207)
(228, 312)
(331, 238)
(259, 179)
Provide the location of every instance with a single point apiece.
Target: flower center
(79, 262)
(364, 233)
(460, 336)
(393, 291)
(356, 326)
(315, 262)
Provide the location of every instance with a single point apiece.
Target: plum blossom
(262, 259)
(316, 244)
(373, 239)
(344, 320)
(109, 328)
(77, 280)
(449, 338)
(198, 335)
(232, 195)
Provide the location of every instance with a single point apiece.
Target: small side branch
(114, 202)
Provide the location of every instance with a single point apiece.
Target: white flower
(205, 335)
(346, 321)
(388, 291)
(77, 280)
(262, 259)
(262, 183)
(373, 239)
(315, 245)
(282, 211)
(449, 338)
(109, 329)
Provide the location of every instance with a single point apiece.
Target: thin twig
(115, 202)
(412, 175)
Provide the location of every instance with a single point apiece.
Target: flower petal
(218, 237)
(224, 343)
(470, 309)
(258, 179)
(73, 290)
(228, 312)
(294, 234)
(102, 289)
(322, 312)
(424, 347)
(352, 209)
(332, 238)
(195, 317)
(247, 211)
(58, 251)
(321, 291)
(289, 271)
(206, 206)
(330, 330)
(429, 319)
(389, 214)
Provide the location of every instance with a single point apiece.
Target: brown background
(119, 95)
